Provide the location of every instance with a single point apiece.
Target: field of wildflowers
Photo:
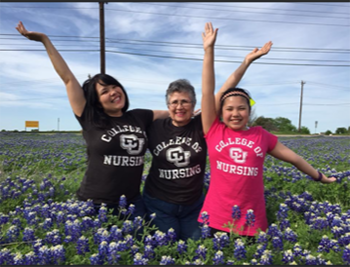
(42, 222)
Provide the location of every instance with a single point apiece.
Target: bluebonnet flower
(344, 240)
(82, 245)
(17, 222)
(129, 241)
(167, 260)
(337, 221)
(58, 254)
(346, 254)
(198, 262)
(239, 251)
(47, 224)
(220, 240)
(262, 238)
(150, 240)
(103, 250)
(113, 255)
(230, 262)
(334, 245)
(45, 255)
(30, 258)
(236, 213)
(3, 218)
(138, 221)
(218, 258)
(122, 245)
(181, 247)
(53, 237)
(250, 218)
(266, 258)
(131, 209)
(259, 250)
(68, 239)
(319, 223)
(149, 253)
(273, 231)
(290, 235)
(122, 202)
(127, 227)
(139, 259)
(284, 224)
(282, 212)
(28, 234)
(134, 249)
(205, 230)
(161, 238)
(37, 245)
(201, 252)
(102, 213)
(116, 234)
(277, 243)
(97, 223)
(18, 259)
(153, 216)
(309, 217)
(12, 233)
(310, 260)
(5, 256)
(324, 245)
(288, 256)
(171, 235)
(337, 231)
(87, 223)
(98, 238)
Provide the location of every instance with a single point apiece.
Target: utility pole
(102, 38)
(316, 126)
(301, 104)
(58, 124)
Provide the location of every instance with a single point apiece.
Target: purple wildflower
(102, 213)
(218, 258)
(220, 240)
(288, 256)
(161, 238)
(282, 212)
(113, 255)
(205, 231)
(277, 243)
(239, 251)
(266, 258)
(127, 227)
(122, 202)
(82, 245)
(171, 235)
(149, 253)
(250, 218)
(262, 238)
(290, 235)
(236, 213)
(181, 247)
(30, 258)
(139, 259)
(201, 252)
(28, 234)
(167, 260)
(346, 254)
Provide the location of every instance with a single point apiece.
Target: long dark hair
(94, 109)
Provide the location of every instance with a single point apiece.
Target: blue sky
(311, 44)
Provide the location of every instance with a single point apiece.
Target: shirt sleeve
(270, 138)
(144, 115)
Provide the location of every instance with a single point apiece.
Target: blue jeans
(182, 218)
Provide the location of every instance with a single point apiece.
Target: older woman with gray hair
(175, 183)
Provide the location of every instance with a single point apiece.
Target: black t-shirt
(179, 158)
(115, 157)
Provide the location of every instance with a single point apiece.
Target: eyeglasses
(184, 103)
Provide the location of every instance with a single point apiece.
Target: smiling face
(180, 108)
(235, 112)
(111, 98)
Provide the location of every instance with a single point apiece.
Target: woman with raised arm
(115, 137)
(237, 152)
(174, 185)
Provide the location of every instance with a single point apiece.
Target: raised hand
(257, 53)
(35, 36)
(209, 35)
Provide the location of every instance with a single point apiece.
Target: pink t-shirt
(236, 165)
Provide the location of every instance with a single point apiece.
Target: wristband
(319, 177)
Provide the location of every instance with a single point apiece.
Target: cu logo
(131, 143)
(178, 156)
(238, 155)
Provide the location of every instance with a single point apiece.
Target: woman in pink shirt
(236, 152)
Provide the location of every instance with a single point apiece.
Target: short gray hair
(181, 86)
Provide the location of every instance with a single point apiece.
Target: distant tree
(328, 132)
(341, 130)
(266, 123)
(349, 129)
(284, 125)
(3, 130)
(304, 130)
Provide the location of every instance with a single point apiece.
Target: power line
(240, 19)
(289, 10)
(172, 57)
(231, 11)
(314, 4)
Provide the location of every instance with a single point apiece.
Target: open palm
(256, 53)
(209, 35)
(35, 36)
